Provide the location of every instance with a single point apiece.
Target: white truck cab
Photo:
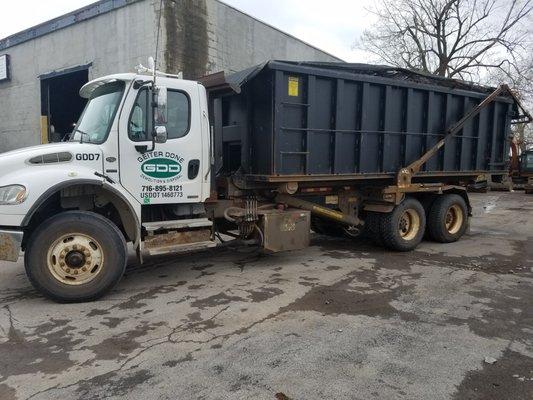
(135, 145)
(118, 118)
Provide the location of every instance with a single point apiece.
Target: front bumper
(9, 219)
(10, 244)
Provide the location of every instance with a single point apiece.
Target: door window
(140, 118)
(178, 116)
(527, 161)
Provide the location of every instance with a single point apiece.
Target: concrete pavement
(339, 320)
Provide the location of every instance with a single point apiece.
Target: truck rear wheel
(448, 218)
(403, 228)
(75, 256)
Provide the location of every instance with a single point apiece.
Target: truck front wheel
(447, 219)
(75, 256)
(403, 228)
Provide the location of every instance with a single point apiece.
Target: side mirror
(159, 108)
(160, 114)
(160, 134)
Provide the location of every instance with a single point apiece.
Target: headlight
(12, 194)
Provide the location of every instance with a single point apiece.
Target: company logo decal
(161, 168)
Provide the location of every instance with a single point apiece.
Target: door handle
(193, 169)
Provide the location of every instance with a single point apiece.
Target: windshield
(528, 161)
(97, 117)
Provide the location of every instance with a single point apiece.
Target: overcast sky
(330, 25)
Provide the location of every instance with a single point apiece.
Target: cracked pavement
(339, 320)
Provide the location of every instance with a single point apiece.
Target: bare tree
(455, 38)
(520, 78)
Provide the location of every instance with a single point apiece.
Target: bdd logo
(161, 168)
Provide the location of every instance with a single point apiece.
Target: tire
(372, 227)
(403, 228)
(75, 256)
(426, 202)
(448, 218)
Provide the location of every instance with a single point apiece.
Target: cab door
(172, 171)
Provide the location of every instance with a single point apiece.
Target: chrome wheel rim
(75, 259)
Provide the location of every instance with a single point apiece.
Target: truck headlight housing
(12, 194)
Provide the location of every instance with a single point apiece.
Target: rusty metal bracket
(405, 174)
(395, 194)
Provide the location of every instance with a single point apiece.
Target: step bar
(152, 227)
(180, 248)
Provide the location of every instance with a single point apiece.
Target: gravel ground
(339, 320)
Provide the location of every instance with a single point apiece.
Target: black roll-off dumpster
(358, 121)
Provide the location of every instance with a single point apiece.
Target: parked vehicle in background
(526, 170)
(521, 170)
(272, 152)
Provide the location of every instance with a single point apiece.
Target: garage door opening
(61, 104)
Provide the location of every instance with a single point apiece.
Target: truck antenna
(157, 39)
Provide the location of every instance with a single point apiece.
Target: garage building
(43, 68)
